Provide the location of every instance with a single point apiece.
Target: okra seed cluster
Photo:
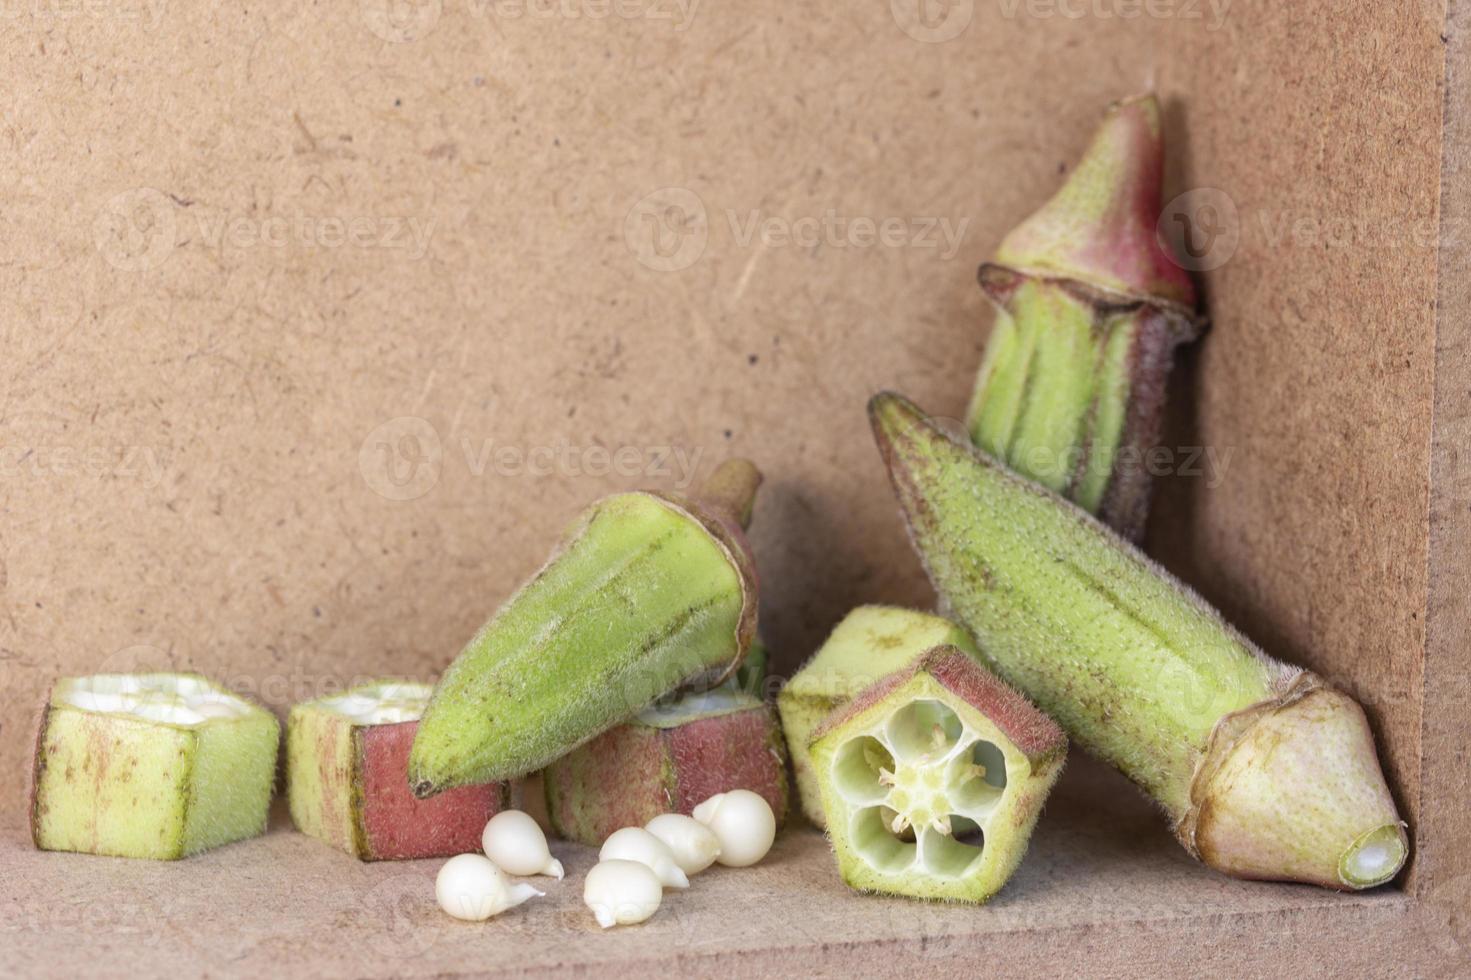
(921, 787)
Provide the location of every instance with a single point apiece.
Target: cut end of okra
(347, 762)
(150, 766)
(933, 778)
(870, 643)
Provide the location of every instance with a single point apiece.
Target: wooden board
(1104, 892)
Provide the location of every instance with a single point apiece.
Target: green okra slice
(933, 778)
(150, 766)
(870, 643)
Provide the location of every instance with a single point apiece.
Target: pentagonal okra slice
(933, 777)
(871, 642)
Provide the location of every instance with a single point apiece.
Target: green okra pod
(1266, 770)
(648, 593)
(1090, 309)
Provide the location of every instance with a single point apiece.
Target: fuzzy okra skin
(933, 777)
(150, 766)
(346, 765)
(669, 759)
(1089, 311)
(1265, 770)
(647, 594)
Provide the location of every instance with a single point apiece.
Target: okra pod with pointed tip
(648, 593)
(1265, 770)
(1089, 311)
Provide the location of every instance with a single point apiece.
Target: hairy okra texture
(649, 593)
(933, 778)
(1266, 770)
(871, 642)
(347, 778)
(150, 766)
(1090, 308)
(669, 759)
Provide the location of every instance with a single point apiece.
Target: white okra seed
(472, 888)
(622, 892)
(695, 846)
(514, 841)
(637, 844)
(743, 823)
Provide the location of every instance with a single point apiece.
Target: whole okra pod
(1266, 770)
(1089, 311)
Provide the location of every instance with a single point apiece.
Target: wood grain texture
(1105, 892)
(1443, 875)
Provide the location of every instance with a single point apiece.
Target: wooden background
(244, 250)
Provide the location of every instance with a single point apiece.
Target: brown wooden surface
(1104, 892)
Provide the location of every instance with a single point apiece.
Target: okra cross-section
(870, 643)
(933, 778)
